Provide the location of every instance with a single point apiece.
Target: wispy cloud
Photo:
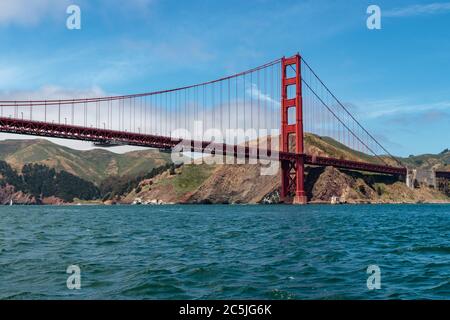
(423, 117)
(30, 12)
(419, 9)
(54, 92)
(408, 127)
(391, 107)
(256, 93)
(51, 92)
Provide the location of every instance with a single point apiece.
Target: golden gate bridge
(284, 96)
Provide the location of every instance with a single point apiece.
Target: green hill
(439, 161)
(327, 146)
(93, 165)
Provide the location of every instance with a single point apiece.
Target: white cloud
(53, 92)
(419, 9)
(257, 94)
(151, 116)
(391, 107)
(30, 12)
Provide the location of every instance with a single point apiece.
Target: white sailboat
(10, 202)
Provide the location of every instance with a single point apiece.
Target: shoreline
(226, 204)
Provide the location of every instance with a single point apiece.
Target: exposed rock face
(331, 183)
(245, 184)
(8, 193)
(326, 184)
(52, 201)
(163, 191)
(236, 184)
(272, 198)
(352, 187)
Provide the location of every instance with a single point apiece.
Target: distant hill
(93, 165)
(328, 147)
(439, 161)
(39, 184)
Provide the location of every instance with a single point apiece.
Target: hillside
(93, 165)
(234, 184)
(439, 161)
(150, 176)
(39, 184)
(244, 184)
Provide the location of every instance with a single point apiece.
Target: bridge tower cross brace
(292, 171)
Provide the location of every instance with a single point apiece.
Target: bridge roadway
(443, 174)
(96, 135)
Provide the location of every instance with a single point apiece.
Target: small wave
(148, 290)
(210, 253)
(432, 265)
(26, 295)
(278, 294)
(424, 249)
(431, 249)
(233, 234)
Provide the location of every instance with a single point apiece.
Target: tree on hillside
(42, 181)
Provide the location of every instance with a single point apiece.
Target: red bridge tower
(292, 171)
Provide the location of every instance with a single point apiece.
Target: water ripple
(219, 252)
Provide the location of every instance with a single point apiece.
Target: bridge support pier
(292, 172)
(300, 194)
(410, 178)
(292, 181)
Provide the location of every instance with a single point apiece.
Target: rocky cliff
(245, 184)
(9, 194)
(235, 184)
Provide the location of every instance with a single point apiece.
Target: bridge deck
(53, 130)
(443, 174)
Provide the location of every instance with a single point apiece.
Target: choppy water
(215, 252)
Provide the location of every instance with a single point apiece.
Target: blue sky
(397, 79)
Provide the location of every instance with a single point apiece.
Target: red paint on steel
(37, 128)
(292, 172)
